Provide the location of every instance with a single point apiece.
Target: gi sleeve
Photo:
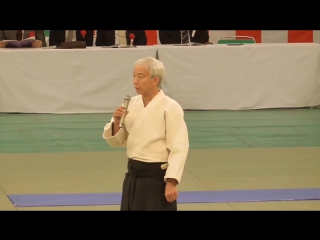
(119, 139)
(177, 142)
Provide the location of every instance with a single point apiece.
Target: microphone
(32, 35)
(126, 104)
(83, 33)
(132, 37)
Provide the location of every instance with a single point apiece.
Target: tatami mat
(207, 129)
(229, 150)
(5, 203)
(185, 197)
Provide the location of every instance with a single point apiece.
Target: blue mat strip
(184, 197)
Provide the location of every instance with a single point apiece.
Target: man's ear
(156, 80)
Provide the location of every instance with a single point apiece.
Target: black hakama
(144, 188)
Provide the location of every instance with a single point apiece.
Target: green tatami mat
(205, 170)
(28, 133)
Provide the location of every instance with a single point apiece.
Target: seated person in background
(175, 36)
(140, 37)
(107, 38)
(57, 37)
(23, 34)
(116, 37)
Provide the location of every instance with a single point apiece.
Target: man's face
(142, 81)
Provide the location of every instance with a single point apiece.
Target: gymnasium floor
(255, 150)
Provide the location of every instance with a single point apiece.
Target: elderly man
(19, 35)
(156, 137)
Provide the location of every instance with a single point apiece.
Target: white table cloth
(92, 80)
(95, 80)
(251, 76)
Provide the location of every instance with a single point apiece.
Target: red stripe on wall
(300, 36)
(256, 34)
(152, 37)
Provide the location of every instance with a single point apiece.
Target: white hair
(155, 67)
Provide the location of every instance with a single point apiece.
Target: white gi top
(155, 133)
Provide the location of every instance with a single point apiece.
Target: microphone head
(132, 36)
(127, 98)
(126, 101)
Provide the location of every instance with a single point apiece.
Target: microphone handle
(121, 125)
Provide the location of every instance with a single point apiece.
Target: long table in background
(252, 76)
(92, 80)
(95, 80)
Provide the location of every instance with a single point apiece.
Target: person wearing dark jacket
(57, 37)
(175, 36)
(140, 37)
(111, 37)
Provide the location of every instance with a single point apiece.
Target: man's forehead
(140, 69)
